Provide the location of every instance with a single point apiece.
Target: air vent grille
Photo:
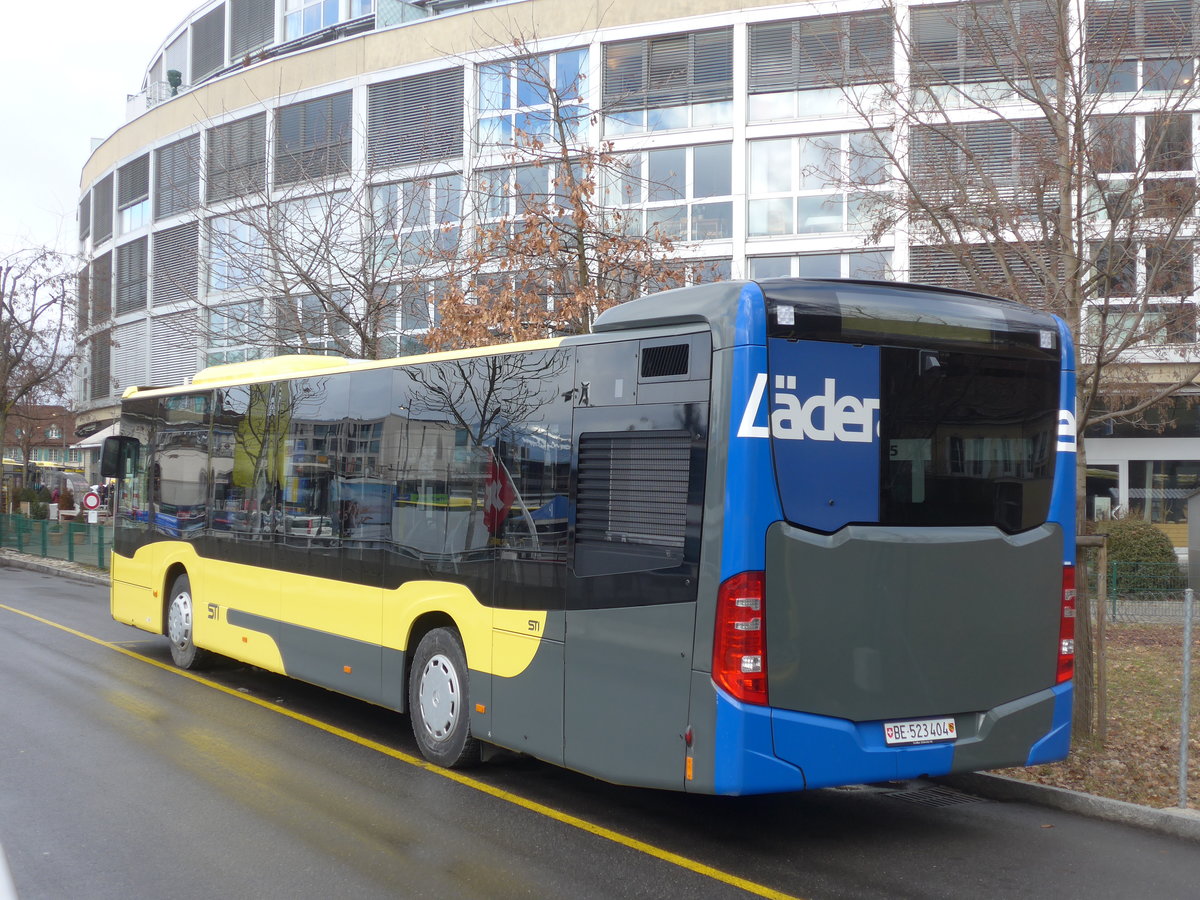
(664, 360)
(633, 488)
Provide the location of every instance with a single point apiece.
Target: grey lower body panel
(884, 623)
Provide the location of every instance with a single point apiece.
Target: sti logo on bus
(821, 417)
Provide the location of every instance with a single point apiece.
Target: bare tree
(1040, 156)
(558, 233)
(537, 236)
(1042, 150)
(313, 267)
(37, 290)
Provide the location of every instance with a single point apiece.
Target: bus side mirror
(115, 453)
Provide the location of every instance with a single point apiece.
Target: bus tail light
(739, 643)
(1066, 627)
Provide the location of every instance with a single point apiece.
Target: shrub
(66, 499)
(38, 510)
(1140, 557)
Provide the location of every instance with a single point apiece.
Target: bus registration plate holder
(919, 731)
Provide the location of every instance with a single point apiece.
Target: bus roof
(280, 368)
(718, 305)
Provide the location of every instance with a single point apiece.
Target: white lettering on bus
(821, 417)
(1066, 431)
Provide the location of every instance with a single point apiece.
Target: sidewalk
(51, 566)
(1183, 823)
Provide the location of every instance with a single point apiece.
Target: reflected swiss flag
(499, 495)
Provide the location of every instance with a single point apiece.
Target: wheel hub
(439, 697)
(179, 620)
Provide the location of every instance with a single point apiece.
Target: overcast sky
(64, 74)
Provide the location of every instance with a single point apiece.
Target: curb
(48, 567)
(1182, 823)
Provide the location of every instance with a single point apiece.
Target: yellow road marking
(541, 809)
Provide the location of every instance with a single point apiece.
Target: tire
(180, 620)
(439, 701)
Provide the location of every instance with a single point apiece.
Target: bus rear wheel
(180, 618)
(438, 698)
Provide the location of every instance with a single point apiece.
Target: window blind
(85, 216)
(101, 288)
(251, 26)
(175, 338)
(669, 71)
(102, 215)
(237, 158)
(133, 182)
(129, 357)
(83, 297)
(986, 41)
(101, 359)
(313, 139)
(176, 270)
(1133, 28)
(415, 119)
(821, 51)
(131, 276)
(208, 44)
(177, 177)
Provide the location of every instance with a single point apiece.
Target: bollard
(1189, 602)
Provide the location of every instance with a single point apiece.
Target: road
(122, 777)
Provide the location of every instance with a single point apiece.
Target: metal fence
(77, 542)
(1146, 593)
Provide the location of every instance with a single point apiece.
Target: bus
(743, 537)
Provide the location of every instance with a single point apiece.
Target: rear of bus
(896, 550)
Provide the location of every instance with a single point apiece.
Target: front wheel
(180, 616)
(438, 696)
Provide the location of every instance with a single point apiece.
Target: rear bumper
(761, 750)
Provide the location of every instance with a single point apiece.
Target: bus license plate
(919, 731)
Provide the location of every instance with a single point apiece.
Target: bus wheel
(179, 625)
(437, 700)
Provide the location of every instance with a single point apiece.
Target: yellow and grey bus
(743, 537)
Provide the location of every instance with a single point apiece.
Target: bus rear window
(908, 436)
(966, 438)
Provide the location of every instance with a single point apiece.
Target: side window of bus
(364, 484)
(482, 463)
(316, 507)
(529, 480)
(531, 470)
(440, 466)
(180, 473)
(133, 489)
(244, 467)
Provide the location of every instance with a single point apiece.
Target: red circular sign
(91, 500)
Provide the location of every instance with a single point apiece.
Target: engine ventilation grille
(664, 360)
(633, 489)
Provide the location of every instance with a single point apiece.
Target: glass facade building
(758, 138)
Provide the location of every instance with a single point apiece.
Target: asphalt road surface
(122, 777)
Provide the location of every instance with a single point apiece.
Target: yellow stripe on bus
(533, 806)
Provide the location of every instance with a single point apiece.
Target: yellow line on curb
(600, 831)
